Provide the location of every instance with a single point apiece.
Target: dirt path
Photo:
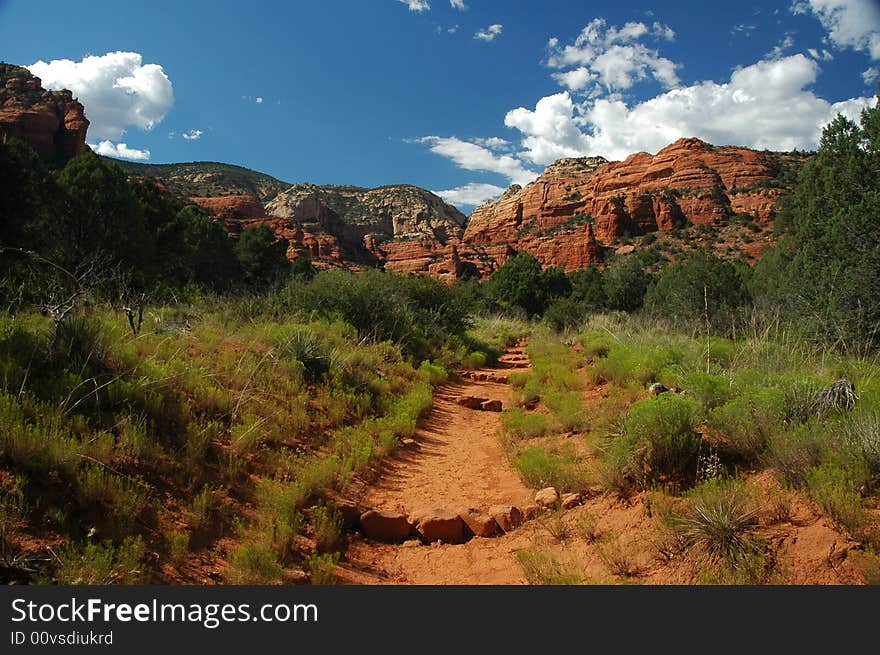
(456, 461)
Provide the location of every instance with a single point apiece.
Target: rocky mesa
(52, 122)
(579, 206)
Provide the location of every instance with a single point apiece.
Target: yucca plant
(719, 522)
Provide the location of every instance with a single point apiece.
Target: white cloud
(489, 33)
(765, 105)
(471, 195)
(259, 100)
(474, 157)
(192, 135)
(871, 75)
(550, 131)
(120, 151)
(781, 47)
(494, 143)
(458, 4)
(417, 5)
(850, 23)
(824, 55)
(742, 28)
(117, 89)
(611, 59)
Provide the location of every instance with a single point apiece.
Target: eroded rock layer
(52, 122)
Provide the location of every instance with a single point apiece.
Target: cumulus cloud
(489, 33)
(871, 75)
(458, 4)
(765, 105)
(117, 89)
(259, 100)
(474, 157)
(471, 195)
(612, 59)
(550, 130)
(120, 151)
(850, 23)
(417, 5)
(192, 135)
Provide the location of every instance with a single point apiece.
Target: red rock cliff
(52, 122)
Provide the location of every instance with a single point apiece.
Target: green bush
(796, 450)
(101, 563)
(540, 467)
(322, 568)
(254, 565)
(519, 424)
(635, 363)
(710, 390)
(659, 434)
(748, 420)
(836, 492)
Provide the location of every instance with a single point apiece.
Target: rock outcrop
(52, 122)
(580, 205)
(403, 228)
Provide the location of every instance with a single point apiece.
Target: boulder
(531, 511)
(385, 525)
(471, 402)
(351, 513)
(571, 500)
(479, 523)
(547, 497)
(491, 406)
(508, 517)
(433, 524)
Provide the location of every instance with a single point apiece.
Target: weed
(542, 568)
(322, 568)
(177, 542)
(719, 522)
(255, 564)
(327, 528)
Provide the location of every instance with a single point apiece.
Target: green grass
(542, 568)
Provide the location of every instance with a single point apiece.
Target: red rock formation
(689, 181)
(232, 207)
(52, 122)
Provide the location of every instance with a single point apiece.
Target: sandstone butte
(52, 122)
(569, 216)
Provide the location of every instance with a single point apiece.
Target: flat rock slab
(433, 524)
(479, 523)
(508, 517)
(492, 406)
(385, 526)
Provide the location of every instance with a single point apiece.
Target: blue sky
(461, 97)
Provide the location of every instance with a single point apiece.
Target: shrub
(710, 390)
(177, 542)
(660, 433)
(567, 408)
(254, 565)
(433, 373)
(322, 568)
(543, 468)
(796, 450)
(633, 362)
(542, 568)
(101, 563)
(327, 528)
(719, 523)
(596, 344)
(835, 491)
(748, 420)
(519, 424)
